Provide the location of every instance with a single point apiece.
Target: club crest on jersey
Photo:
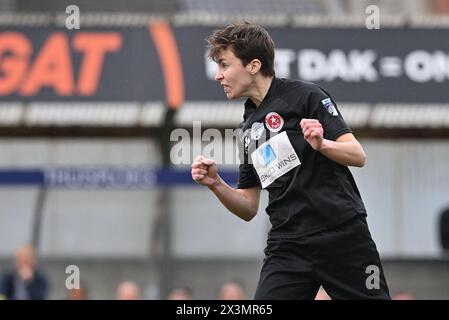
(274, 122)
(327, 103)
(256, 130)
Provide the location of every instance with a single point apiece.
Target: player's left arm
(345, 150)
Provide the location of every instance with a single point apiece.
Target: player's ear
(254, 66)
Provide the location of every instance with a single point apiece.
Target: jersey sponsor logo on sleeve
(274, 158)
(330, 107)
(274, 122)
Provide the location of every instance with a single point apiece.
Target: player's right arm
(244, 203)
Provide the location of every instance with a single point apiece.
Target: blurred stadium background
(86, 116)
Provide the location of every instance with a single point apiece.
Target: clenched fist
(313, 132)
(204, 171)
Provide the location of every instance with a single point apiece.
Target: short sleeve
(247, 177)
(324, 109)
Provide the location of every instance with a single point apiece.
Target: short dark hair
(247, 41)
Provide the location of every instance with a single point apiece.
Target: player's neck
(261, 86)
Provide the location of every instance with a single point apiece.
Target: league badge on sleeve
(274, 122)
(327, 103)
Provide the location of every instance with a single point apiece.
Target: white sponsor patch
(330, 107)
(274, 158)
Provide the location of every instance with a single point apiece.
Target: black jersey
(307, 191)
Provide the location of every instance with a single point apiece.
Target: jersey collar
(271, 91)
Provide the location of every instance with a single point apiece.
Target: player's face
(232, 75)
